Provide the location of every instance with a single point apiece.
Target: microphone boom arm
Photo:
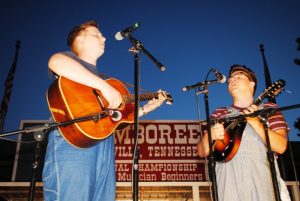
(152, 58)
(200, 84)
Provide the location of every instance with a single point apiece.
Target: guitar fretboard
(142, 97)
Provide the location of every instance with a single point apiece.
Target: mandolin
(225, 149)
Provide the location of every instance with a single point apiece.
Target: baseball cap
(250, 74)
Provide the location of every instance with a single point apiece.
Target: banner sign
(167, 152)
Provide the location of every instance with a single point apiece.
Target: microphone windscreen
(119, 36)
(223, 79)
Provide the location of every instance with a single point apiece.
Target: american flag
(8, 88)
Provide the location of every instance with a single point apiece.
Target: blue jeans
(72, 173)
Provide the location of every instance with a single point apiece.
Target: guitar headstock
(271, 91)
(169, 98)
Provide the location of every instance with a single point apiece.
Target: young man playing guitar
(71, 173)
(246, 174)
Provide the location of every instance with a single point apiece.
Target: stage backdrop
(167, 152)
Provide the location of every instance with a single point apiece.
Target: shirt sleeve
(219, 113)
(276, 120)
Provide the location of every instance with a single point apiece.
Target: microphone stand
(135, 166)
(263, 115)
(270, 154)
(39, 137)
(202, 87)
(39, 132)
(137, 46)
(211, 160)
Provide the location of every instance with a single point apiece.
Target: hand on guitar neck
(253, 121)
(153, 103)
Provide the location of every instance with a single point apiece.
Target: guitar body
(68, 100)
(225, 150)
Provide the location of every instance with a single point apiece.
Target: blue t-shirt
(87, 65)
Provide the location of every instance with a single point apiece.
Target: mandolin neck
(257, 101)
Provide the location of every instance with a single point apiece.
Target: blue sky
(189, 37)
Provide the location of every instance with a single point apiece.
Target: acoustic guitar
(69, 100)
(225, 149)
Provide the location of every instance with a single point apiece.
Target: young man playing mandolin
(71, 173)
(246, 175)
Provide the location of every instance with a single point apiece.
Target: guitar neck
(142, 97)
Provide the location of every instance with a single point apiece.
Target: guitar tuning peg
(169, 102)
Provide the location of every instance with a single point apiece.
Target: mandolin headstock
(271, 91)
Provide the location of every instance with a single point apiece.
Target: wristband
(143, 110)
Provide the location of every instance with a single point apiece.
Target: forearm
(152, 105)
(142, 111)
(203, 146)
(278, 139)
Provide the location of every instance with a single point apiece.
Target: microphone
(219, 76)
(125, 33)
(208, 82)
(199, 84)
(189, 87)
(220, 79)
